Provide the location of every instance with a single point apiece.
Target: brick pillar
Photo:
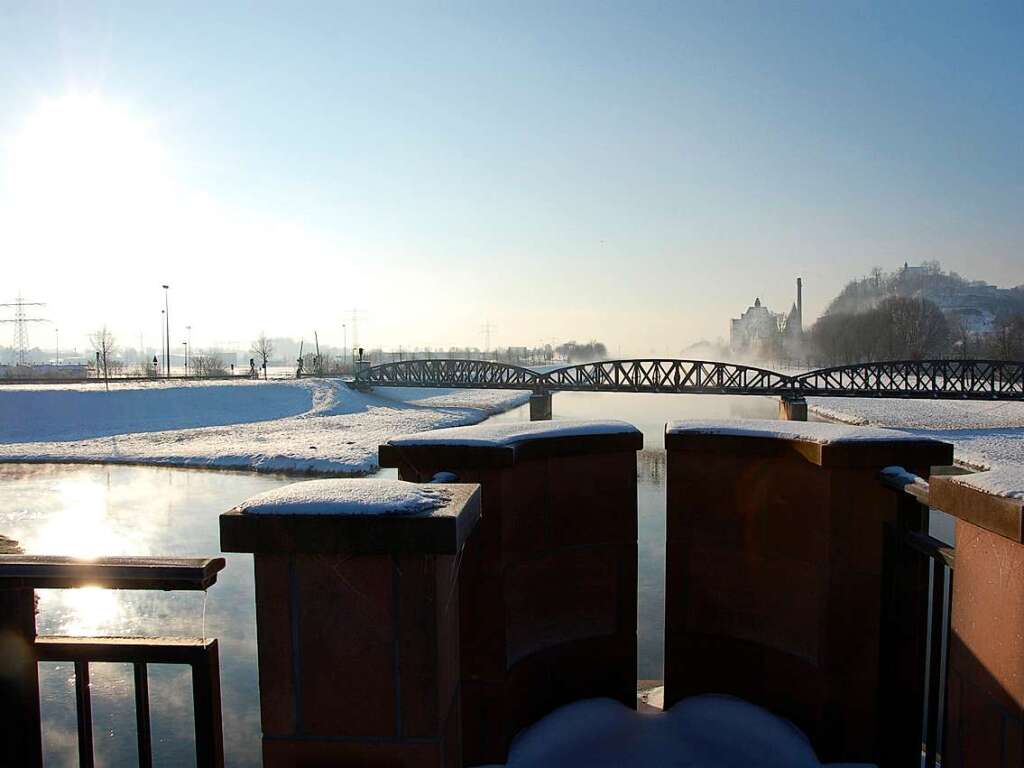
(357, 631)
(985, 710)
(773, 569)
(550, 574)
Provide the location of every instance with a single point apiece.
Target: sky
(630, 172)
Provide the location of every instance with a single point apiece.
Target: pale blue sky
(635, 172)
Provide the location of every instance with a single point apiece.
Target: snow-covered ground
(313, 426)
(986, 434)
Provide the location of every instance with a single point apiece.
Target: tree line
(905, 328)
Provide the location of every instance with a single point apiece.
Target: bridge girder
(923, 379)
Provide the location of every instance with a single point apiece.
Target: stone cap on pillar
(503, 444)
(354, 516)
(992, 500)
(821, 443)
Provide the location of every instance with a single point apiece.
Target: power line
(21, 325)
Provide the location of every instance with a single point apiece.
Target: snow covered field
(986, 434)
(312, 426)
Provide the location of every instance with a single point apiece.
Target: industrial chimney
(800, 305)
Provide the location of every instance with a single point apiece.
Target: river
(90, 510)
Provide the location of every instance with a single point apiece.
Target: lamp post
(56, 332)
(163, 346)
(185, 356)
(188, 349)
(344, 343)
(167, 332)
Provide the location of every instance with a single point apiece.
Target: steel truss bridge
(924, 379)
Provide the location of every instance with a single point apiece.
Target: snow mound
(336, 430)
(1007, 481)
(73, 414)
(347, 497)
(708, 731)
(920, 414)
(810, 431)
(510, 433)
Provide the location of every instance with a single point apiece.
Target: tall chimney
(800, 305)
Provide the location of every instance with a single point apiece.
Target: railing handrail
(156, 573)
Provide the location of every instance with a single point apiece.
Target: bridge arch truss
(924, 379)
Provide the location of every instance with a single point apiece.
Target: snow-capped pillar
(985, 710)
(773, 569)
(357, 611)
(550, 574)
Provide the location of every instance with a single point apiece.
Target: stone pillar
(357, 624)
(773, 569)
(550, 574)
(792, 409)
(540, 406)
(20, 734)
(985, 693)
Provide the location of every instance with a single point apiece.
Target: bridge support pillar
(540, 406)
(792, 409)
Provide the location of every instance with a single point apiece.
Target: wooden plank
(20, 734)
(207, 709)
(931, 547)
(130, 650)
(57, 572)
(143, 732)
(84, 709)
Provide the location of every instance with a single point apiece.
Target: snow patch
(347, 497)
(337, 434)
(1007, 482)
(74, 414)
(510, 433)
(986, 435)
(709, 731)
(810, 431)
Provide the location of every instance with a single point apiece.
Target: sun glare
(78, 158)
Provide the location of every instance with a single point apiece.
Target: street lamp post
(56, 332)
(188, 349)
(344, 343)
(185, 356)
(167, 332)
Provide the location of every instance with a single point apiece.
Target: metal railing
(21, 575)
(917, 583)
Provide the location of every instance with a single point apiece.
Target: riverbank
(305, 427)
(987, 435)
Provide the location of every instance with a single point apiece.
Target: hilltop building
(761, 332)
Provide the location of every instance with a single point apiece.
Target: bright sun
(78, 158)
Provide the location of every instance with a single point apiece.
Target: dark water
(109, 510)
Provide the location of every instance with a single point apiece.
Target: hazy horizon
(632, 173)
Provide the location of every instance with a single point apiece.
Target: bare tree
(104, 343)
(208, 364)
(262, 348)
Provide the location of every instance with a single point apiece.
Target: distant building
(759, 331)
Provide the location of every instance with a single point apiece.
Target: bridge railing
(917, 590)
(21, 650)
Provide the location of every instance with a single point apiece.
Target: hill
(972, 304)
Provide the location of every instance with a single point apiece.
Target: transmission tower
(21, 325)
(486, 328)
